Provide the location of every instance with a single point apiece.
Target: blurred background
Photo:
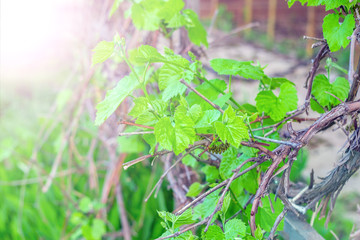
(61, 177)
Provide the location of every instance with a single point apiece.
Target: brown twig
(202, 96)
(126, 230)
(135, 124)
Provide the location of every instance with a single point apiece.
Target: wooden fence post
(271, 19)
(310, 29)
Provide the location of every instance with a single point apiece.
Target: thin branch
(134, 133)
(294, 145)
(276, 224)
(135, 124)
(221, 199)
(126, 230)
(202, 96)
(163, 176)
(142, 158)
(192, 226)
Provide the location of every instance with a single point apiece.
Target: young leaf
(184, 132)
(211, 173)
(169, 9)
(102, 52)
(337, 34)
(208, 118)
(322, 90)
(169, 77)
(232, 67)
(196, 31)
(144, 14)
(208, 90)
(194, 189)
(114, 7)
(214, 233)
(164, 133)
(265, 217)
(145, 54)
(232, 129)
(114, 97)
(277, 107)
(234, 228)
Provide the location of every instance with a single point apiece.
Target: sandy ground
(324, 148)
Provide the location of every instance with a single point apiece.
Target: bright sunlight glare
(33, 33)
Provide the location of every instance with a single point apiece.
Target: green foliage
(114, 97)
(102, 52)
(335, 33)
(328, 94)
(231, 129)
(277, 107)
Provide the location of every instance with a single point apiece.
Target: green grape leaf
(151, 140)
(234, 228)
(194, 189)
(102, 52)
(337, 34)
(141, 106)
(164, 133)
(228, 163)
(322, 90)
(144, 14)
(265, 217)
(211, 173)
(232, 128)
(145, 54)
(232, 67)
(195, 112)
(208, 118)
(208, 90)
(169, 9)
(114, 97)
(114, 7)
(178, 20)
(196, 31)
(332, 4)
(275, 82)
(184, 132)
(214, 232)
(169, 78)
(98, 228)
(277, 107)
(207, 207)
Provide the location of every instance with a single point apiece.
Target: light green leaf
(208, 91)
(226, 203)
(232, 67)
(195, 112)
(206, 208)
(322, 90)
(102, 52)
(164, 133)
(114, 7)
(229, 162)
(98, 228)
(141, 106)
(208, 118)
(184, 132)
(234, 228)
(277, 107)
(178, 20)
(194, 189)
(211, 173)
(145, 54)
(265, 217)
(196, 31)
(337, 34)
(144, 14)
(214, 232)
(85, 204)
(169, 9)
(232, 129)
(114, 97)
